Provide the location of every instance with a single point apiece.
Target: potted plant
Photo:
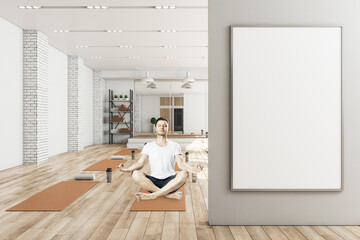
(121, 97)
(115, 97)
(153, 121)
(126, 97)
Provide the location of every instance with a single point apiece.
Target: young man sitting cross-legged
(162, 154)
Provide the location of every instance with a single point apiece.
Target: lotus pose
(162, 155)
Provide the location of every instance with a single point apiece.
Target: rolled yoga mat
(85, 177)
(117, 157)
(104, 164)
(55, 198)
(160, 203)
(127, 151)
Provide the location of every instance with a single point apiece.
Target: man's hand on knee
(122, 168)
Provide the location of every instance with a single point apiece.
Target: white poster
(286, 109)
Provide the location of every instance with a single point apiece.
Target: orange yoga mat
(104, 164)
(160, 203)
(127, 151)
(55, 198)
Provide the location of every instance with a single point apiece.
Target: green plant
(115, 96)
(126, 96)
(120, 96)
(153, 120)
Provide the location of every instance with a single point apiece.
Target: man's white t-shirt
(162, 159)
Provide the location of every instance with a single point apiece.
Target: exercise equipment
(105, 164)
(56, 197)
(85, 177)
(127, 151)
(160, 203)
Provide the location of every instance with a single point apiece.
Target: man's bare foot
(144, 196)
(175, 195)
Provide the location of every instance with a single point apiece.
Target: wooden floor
(104, 211)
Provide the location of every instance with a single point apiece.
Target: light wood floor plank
(274, 232)
(257, 233)
(104, 211)
(155, 225)
(240, 233)
(222, 232)
(292, 233)
(344, 233)
(309, 233)
(326, 233)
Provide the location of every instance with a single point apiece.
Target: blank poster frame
(232, 170)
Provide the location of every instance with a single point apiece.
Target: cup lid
(109, 170)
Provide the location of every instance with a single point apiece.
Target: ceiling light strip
(96, 7)
(121, 31)
(148, 57)
(129, 46)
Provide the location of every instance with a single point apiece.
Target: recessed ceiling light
(165, 7)
(113, 31)
(167, 31)
(97, 7)
(96, 57)
(170, 46)
(170, 57)
(29, 7)
(81, 46)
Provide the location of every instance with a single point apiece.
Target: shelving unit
(113, 110)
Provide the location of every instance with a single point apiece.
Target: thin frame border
(231, 111)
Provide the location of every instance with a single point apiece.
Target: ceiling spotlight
(170, 57)
(165, 7)
(167, 31)
(151, 85)
(186, 85)
(97, 7)
(134, 57)
(147, 79)
(82, 46)
(96, 57)
(170, 46)
(114, 31)
(188, 79)
(29, 7)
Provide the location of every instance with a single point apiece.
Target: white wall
(11, 100)
(195, 113)
(88, 106)
(58, 102)
(282, 208)
(119, 87)
(150, 107)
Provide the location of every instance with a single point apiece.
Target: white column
(75, 104)
(35, 97)
(99, 101)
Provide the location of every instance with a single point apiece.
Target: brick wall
(35, 97)
(75, 104)
(98, 104)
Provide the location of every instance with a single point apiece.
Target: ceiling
(140, 42)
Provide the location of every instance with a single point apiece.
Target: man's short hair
(159, 119)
